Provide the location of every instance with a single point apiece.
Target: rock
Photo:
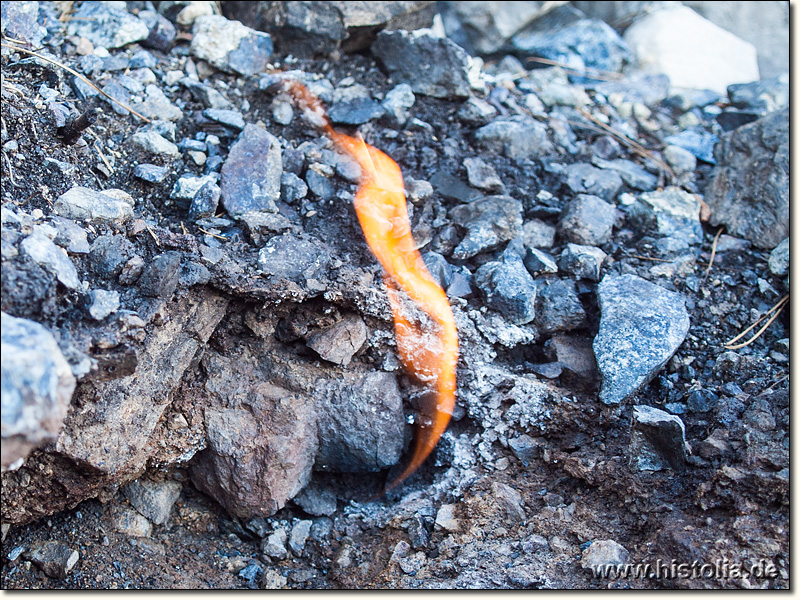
(292, 188)
(538, 262)
(483, 176)
(525, 448)
(154, 143)
(641, 326)
(631, 173)
(588, 220)
(230, 46)
(573, 354)
(658, 440)
(341, 341)
(779, 259)
(156, 106)
(432, 66)
(558, 307)
(712, 58)
(681, 160)
(701, 400)
(602, 554)
(228, 117)
(356, 112)
(293, 258)
(449, 186)
(108, 253)
(749, 189)
(44, 252)
(20, 22)
(637, 89)
(397, 103)
(299, 535)
(316, 500)
(446, 519)
(55, 559)
(71, 236)
(344, 405)
(584, 262)
(154, 499)
(80, 203)
(103, 304)
(510, 500)
(673, 213)
(489, 222)
(162, 31)
(508, 287)
(131, 523)
(205, 201)
(439, 268)
(583, 178)
(275, 545)
(151, 173)
(251, 175)
(517, 137)
(762, 97)
(187, 186)
(37, 386)
(208, 97)
(538, 234)
(700, 143)
(119, 93)
(476, 111)
(160, 276)
(106, 26)
(497, 331)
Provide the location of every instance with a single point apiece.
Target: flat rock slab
(641, 327)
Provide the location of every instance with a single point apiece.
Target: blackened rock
(749, 191)
(581, 261)
(55, 559)
(538, 262)
(344, 406)
(109, 253)
(230, 46)
(293, 258)
(356, 112)
(431, 66)
(251, 175)
(763, 96)
(733, 119)
(641, 327)
(162, 31)
(588, 220)
(106, 26)
(338, 343)
(508, 287)
(658, 440)
(489, 222)
(205, 201)
(558, 307)
(37, 386)
(518, 137)
(194, 273)
(160, 277)
(631, 173)
(150, 173)
(702, 400)
(583, 178)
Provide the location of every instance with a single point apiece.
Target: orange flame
(429, 352)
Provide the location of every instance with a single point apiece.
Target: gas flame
(428, 351)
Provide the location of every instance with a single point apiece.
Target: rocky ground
(200, 383)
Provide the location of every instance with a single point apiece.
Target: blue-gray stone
(251, 175)
(109, 253)
(699, 143)
(205, 201)
(20, 22)
(103, 304)
(162, 31)
(150, 173)
(508, 287)
(356, 111)
(231, 118)
(230, 46)
(439, 268)
(106, 26)
(583, 178)
(588, 220)
(43, 251)
(658, 440)
(206, 95)
(489, 222)
(538, 262)
(584, 262)
(293, 258)
(516, 137)
(631, 173)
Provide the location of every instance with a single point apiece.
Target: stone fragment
(103, 304)
(156, 106)
(763, 97)
(483, 176)
(187, 186)
(658, 440)
(538, 234)
(631, 173)
(573, 354)
(55, 559)
(699, 142)
(476, 111)
(517, 137)
(151, 173)
(510, 500)
(37, 386)
(316, 500)
(71, 236)
(83, 203)
(154, 499)
(538, 262)
(489, 222)
(230, 46)
(44, 252)
(160, 276)
(356, 112)
(439, 268)
(106, 26)
(508, 287)
(108, 253)
(583, 178)
(162, 31)
(341, 341)
(637, 89)
(525, 448)
(749, 189)
(275, 545)
(558, 307)
(681, 160)
(673, 213)
(587, 220)
(20, 22)
(446, 519)
(207, 95)
(251, 175)
(779, 259)
(604, 553)
(641, 327)
(293, 258)
(690, 50)
(154, 143)
(205, 201)
(131, 523)
(584, 262)
(452, 187)
(228, 117)
(300, 532)
(398, 102)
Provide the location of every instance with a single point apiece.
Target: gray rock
(151, 173)
(275, 545)
(156, 106)
(631, 173)
(230, 46)
(103, 304)
(658, 440)
(476, 111)
(316, 500)
(431, 66)
(292, 188)
(71, 236)
(749, 191)
(460, 284)
(489, 222)
(673, 213)
(449, 186)
(160, 276)
(483, 176)
(583, 178)
(397, 103)
(20, 22)
(779, 259)
(573, 353)
(558, 307)
(517, 137)
(130, 522)
(251, 175)
(44, 252)
(299, 536)
(162, 31)
(106, 26)
(231, 118)
(319, 183)
(119, 93)
(154, 143)
(525, 448)
(538, 262)
(439, 268)
(641, 327)
(293, 258)
(356, 112)
(55, 559)
(344, 405)
(681, 160)
(508, 287)
(187, 186)
(538, 234)
(510, 501)
(588, 220)
(108, 253)
(699, 143)
(80, 203)
(446, 519)
(338, 343)
(604, 553)
(154, 499)
(207, 96)
(763, 96)
(637, 89)
(584, 262)
(37, 386)
(205, 201)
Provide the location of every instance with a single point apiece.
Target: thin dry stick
(777, 309)
(640, 256)
(713, 253)
(78, 75)
(214, 235)
(598, 74)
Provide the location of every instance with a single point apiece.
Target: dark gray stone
(638, 89)
(356, 112)
(71, 236)
(641, 327)
(231, 118)
(489, 222)
(631, 173)
(193, 273)
(702, 400)
(779, 259)
(55, 559)
(538, 262)
(160, 276)
(508, 287)
(106, 26)
(109, 253)
(476, 111)
(558, 307)
(118, 92)
(208, 96)
(154, 499)
(205, 201)
(230, 46)
(518, 137)
(103, 304)
(763, 96)
(449, 186)
(321, 185)
(583, 178)
(573, 353)
(749, 190)
(316, 500)
(658, 440)
(162, 31)
(338, 343)
(44, 252)
(588, 220)
(483, 176)
(293, 258)
(292, 187)
(150, 173)
(584, 262)
(251, 175)
(439, 268)
(460, 284)
(699, 143)
(37, 386)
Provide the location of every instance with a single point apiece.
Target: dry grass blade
(587, 71)
(78, 75)
(713, 252)
(653, 258)
(212, 234)
(730, 345)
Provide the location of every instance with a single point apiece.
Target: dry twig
(713, 253)
(731, 345)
